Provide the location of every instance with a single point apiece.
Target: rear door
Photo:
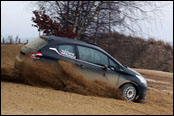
(60, 52)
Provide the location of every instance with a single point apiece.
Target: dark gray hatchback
(94, 63)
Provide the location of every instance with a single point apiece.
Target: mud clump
(63, 76)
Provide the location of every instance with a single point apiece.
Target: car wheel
(129, 92)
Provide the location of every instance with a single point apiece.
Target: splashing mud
(10, 74)
(60, 76)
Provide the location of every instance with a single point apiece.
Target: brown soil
(92, 97)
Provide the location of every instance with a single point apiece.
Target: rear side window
(37, 43)
(67, 50)
(92, 56)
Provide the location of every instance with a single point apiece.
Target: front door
(94, 65)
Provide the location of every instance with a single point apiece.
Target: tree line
(12, 40)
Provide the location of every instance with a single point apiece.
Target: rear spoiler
(48, 38)
(51, 37)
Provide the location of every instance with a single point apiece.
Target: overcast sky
(16, 20)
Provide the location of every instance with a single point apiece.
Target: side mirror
(115, 69)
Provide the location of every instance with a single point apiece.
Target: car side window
(113, 64)
(92, 55)
(66, 50)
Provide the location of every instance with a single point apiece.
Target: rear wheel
(129, 92)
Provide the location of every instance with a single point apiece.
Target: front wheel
(129, 92)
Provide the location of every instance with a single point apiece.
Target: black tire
(129, 92)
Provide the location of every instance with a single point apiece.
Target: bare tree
(93, 17)
(19, 41)
(77, 14)
(3, 40)
(10, 39)
(16, 41)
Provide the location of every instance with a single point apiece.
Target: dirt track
(17, 98)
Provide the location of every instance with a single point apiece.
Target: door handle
(81, 65)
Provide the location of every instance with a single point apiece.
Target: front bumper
(142, 92)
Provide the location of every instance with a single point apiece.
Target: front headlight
(142, 79)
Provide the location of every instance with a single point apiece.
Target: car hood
(131, 71)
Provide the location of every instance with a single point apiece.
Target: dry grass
(138, 53)
(159, 43)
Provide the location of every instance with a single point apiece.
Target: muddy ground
(42, 96)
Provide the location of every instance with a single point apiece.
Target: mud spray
(60, 76)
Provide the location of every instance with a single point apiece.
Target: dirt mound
(61, 76)
(136, 52)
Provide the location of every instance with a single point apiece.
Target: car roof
(71, 41)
